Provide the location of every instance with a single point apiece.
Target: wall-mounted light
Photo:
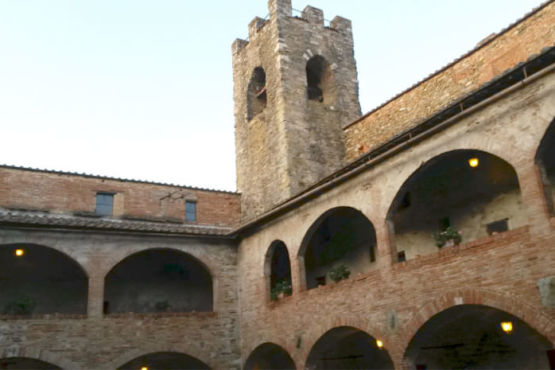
(507, 326)
(144, 368)
(473, 162)
(379, 343)
(19, 252)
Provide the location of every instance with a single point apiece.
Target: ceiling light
(473, 162)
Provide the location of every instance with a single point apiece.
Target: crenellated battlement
(281, 13)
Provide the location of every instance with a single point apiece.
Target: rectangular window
(497, 226)
(190, 211)
(104, 204)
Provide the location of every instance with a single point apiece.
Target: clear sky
(142, 89)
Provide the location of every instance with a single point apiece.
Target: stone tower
(295, 87)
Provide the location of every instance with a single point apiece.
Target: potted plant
(447, 236)
(281, 289)
(339, 273)
(21, 306)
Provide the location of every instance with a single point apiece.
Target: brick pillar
(96, 296)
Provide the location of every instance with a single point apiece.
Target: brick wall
(97, 341)
(68, 193)
(501, 271)
(466, 75)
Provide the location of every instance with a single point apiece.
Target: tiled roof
(100, 177)
(43, 219)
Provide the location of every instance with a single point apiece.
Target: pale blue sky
(143, 89)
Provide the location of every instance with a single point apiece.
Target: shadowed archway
(339, 244)
(269, 356)
(458, 196)
(24, 363)
(277, 270)
(158, 280)
(35, 279)
(471, 336)
(346, 347)
(165, 361)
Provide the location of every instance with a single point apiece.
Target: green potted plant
(449, 235)
(339, 272)
(281, 289)
(20, 306)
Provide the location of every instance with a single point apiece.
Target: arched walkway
(545, 158)
(24, 363)
(277, 270)
(471, 336)
(158, 280)
(164, 361)
(347, 348)
(35, 279)
(340, 243)
(458, 196)
(269, 356)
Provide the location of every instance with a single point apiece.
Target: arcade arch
(269, 356)
(346, 347)
(472, 336)
(36, 279)
(340, 243)
(165, 360)
(158, 280)
(458, 196)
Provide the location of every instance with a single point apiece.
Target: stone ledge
(156, 315)
(45, 316)
(455, 250)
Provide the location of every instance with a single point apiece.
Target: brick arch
(288, 349)
(418, 161)
(113, 260)
(365, 325)
(316, 222)
(154, 348)
(70, 254)
(532, 316)
(36, 353)
(267, 265)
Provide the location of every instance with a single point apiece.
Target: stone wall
(97, 341)
(446, 86)
(392, 301)
(294, 141)
(63, 193)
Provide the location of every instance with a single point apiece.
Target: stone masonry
(294, 141)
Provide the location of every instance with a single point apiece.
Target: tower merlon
(254, 26)
(341, 24)
(313, 15)
(238, 44)
(280, 8)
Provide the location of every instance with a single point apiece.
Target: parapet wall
(488, 60)
(62, 193)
